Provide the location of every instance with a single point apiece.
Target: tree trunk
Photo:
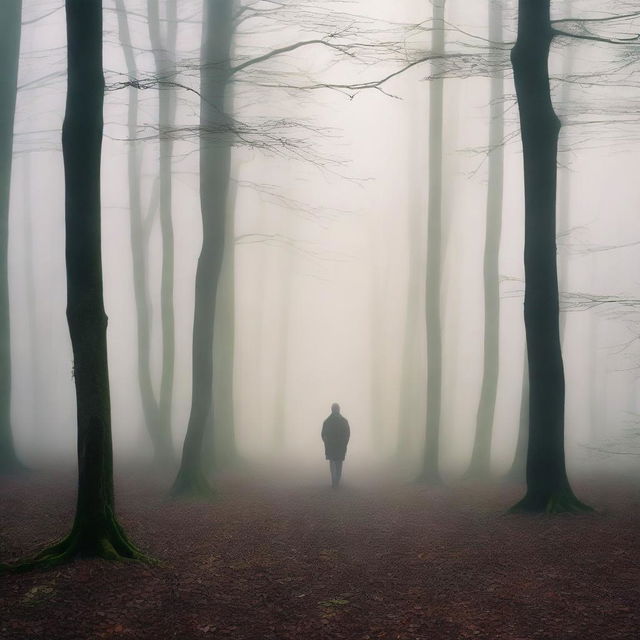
(434, 261)
(481, 456)
(10, 31)
(139, 236)
(548, 487)
(95, 531)
(223, 447)
(215, 167)
(164, 55)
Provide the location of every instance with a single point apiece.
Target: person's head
(335, 408)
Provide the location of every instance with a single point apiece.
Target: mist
(358, 166)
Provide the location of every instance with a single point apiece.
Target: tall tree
(548, 487)
(164, 55)
(215, 166)
(429, 472)
(481, 455)
(10, 30)
(139, 228)
(95, 532)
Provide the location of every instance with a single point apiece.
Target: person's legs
(338, 471)
(332, 468)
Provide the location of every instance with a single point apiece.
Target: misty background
(324, 232)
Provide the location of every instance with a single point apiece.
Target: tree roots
(192, 485)
(559, 501)
(110, 543)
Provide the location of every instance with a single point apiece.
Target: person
(335, 435)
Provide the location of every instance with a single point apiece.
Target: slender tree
(215, 168)
(10, 30)
(95, 531)
(429, 472)
(139, 229)
(548, 487)
(164, 55)
(481, 455)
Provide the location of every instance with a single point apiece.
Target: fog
(329, 192)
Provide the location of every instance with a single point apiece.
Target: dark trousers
(335, 466)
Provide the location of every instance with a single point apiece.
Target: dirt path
(267, 563)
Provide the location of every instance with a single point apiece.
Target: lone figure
(335, 435)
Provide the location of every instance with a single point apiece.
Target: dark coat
(335, 435)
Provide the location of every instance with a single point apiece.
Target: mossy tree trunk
(215, 167)
(430, 472)
(548, 487)
(10, 31)
(481, 455)
(95, 531)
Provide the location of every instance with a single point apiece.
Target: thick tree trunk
(95, 531)
(139, 236)
(10, 30)
(481, 455)
(215, 167)
(430, 471)
(548, 487)
(164, 55)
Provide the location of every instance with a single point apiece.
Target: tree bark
(95, 531)
(430, 471)
(481, 455)
(10, 31)
(215, 167)
(548, 487)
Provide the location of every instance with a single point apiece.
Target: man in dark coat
(335, 435)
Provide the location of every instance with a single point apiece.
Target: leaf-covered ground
(266, 561)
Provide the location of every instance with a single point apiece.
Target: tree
(429, 472)
(481, 455)
(10, 30)
(215, 165)
(139, 229)
(95, 532)
(164, 54)
(548, 487)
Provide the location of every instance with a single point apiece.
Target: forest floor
(269, 562)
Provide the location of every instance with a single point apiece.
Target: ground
(267, 561)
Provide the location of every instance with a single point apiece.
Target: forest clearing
(268, 561)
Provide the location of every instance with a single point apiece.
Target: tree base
(559, 501)
(12, 466)
(191, 484)
(109, 543)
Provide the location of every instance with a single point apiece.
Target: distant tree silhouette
(429, 471)
(481, 455)
(139, 231)
(163, 46)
